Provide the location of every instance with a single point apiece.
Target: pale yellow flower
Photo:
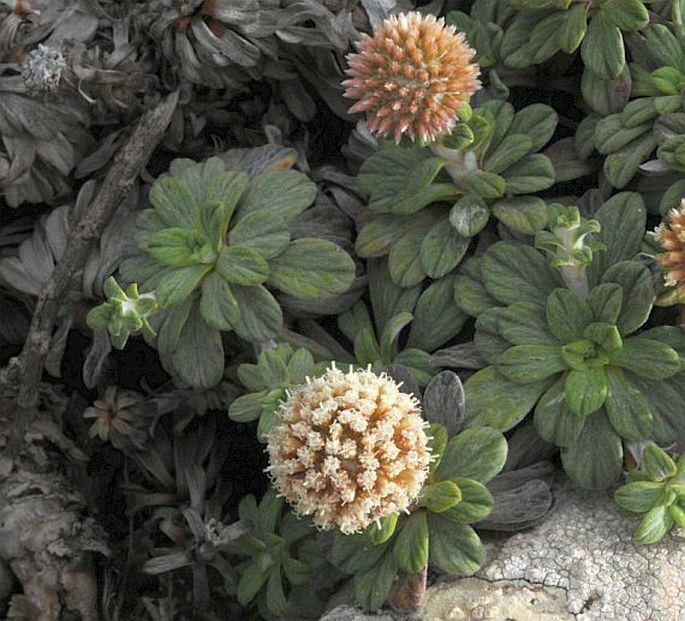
(671, 237)
(351, 449)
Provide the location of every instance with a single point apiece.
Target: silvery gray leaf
(402, 374)
(589, 203)
(102, 155)
(519, 507)
(462, 356)
(444, 402)
(526, 447)
(318, 340)
(231, 45)
(58, 345)
(378, 10)
(96, 359)
(323, 220)
(257, 159)
(298, 100)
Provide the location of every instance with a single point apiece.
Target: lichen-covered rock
(581, 556)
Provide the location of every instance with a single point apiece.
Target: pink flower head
(411, 76)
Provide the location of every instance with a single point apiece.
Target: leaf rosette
(213, 246)
(426, 204)
(575, 358)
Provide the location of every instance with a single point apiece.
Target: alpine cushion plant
(211, 248)
(564, 342)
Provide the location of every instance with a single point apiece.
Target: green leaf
(585, 390)
(437, 442)
(523, 323)
(266, 236)
(381, 531)
(573, 28)
(387, 298)
(544, 42)
(626, 407)
(246, 408)
(380, 233)
(436, 317)
(627, 14)
(654, 526)
(199, 355)
(275, 597)
(476, 503)
(372, 587)
(513, 272)
(174, 203)
(170, 328)
(178, 247)
(524, 214)
(278, 193)
(538, 122)
(509, 151)
(638, 497)
(469, 215)
(391, 332)
(651, 359)
(534, 173)
(261, 317)
(605, 302)
(489, 341)
(606, 336)
(482, 183)
(469, 292)
(658, 463)
(666, 402)
(477, 453)
(595, 459)
(620, 167)
(440, 496)
(525, 364)
(252, 579)
(567, 315)
(638, 294)
(176, 286)
(491, 399)
(355, 554)
(400, 180)
(554, 420)
(366, 348)
(241, 265)
(454, 548)
(312, 269)
(664, 46)
(623, 220)
(602, 49)
(404, 260)
(218, 305)
(411, 544)
(441, 249)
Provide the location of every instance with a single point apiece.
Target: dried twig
(119, 181)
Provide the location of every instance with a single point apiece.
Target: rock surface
(580, 564)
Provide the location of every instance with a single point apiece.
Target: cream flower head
(671, 237)
(411, 76)
(351, 449)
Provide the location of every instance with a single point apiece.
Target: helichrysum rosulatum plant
(353, 451)
(657, 491)
(427, 202)
(212, 247)
(558, 326)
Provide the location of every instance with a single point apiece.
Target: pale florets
(411, 76)
(671, 237)
(351, 449)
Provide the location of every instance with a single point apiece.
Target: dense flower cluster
(411, 76)
(351, 449)
(671, 237)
